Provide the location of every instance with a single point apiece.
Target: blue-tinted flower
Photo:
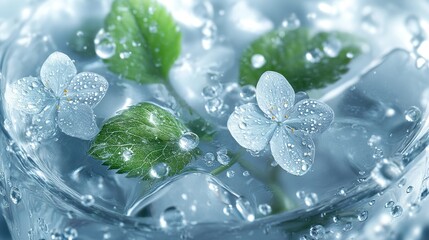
(277, 120)
(60, 97)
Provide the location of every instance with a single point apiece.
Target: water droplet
(314, 55)
(70, 233)
(214, 106)
(246, 174)
(342, 192)
(413, 25)
(332, 47)
(291, 22)
(153, 28)
(258, 61)
(362, 216)
(347, 227)
(414, 209)
(56, 235)
(127, 154)
(385, 172)
(409, 189)
(160, 170)
(396, 211)
(189, 141)
(402, 182)
(212, 91)
(42, 225)
(371, 203)
(228, 209)
(125, 55)
(223, 159)
(230, 173)
(389, 204)
(420, 62)
(413, 114)
(317, 232)
(245, 209)
(209, 159)
(247, 93)
(172, 219)
(311, 199)
(15, 195)
(300, 194)
(105, 47)
(87, 200)
(209, 32)
(265, 209)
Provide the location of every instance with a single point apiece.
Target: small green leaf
(285, 52)
(147, 40)
(140, 138)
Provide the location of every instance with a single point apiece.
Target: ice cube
(191, 198)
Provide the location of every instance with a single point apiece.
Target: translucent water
(376, 139)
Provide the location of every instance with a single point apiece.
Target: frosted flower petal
(57, 72)
(28, 95)
(250, 128)
(77, 120)
(87, 88)
(310, 116)
(292, 150)
(275, 96)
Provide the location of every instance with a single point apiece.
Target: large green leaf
(140, 138)
(286, 52)
(147, 40)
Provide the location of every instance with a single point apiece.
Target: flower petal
(250, 128)
(87, 88)
(57, 72)
(310, 116)
(28, 95)
(44, 124)
(275, 95)
(292, 150)
(77, 120)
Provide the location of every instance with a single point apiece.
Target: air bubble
(291, 22)
(265, 209)
(212, 91)
(314, 55)
(311, 199)
(87, 200)
(230, 173)
(70, 233)
(317, 232)
(172, 219)
(413, 114)
(362, 216)
(396, 211)
(209, 159)
(15, 195)
(214, 106)
(385, 172)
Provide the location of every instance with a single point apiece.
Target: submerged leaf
(147, 40)
(140, 139)
(308, 62)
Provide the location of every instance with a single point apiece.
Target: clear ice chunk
(200, 197)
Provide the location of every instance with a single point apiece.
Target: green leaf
(140, 138)
(147, 40)
(285, 52)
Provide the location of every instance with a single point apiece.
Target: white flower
(287, 127)
(60, 97)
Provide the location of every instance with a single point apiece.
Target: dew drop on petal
(311, 199)
(172, 219)
(105, 47)
(189, 141)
